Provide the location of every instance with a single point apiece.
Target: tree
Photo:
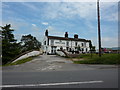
(30, 42)
(10, 49)
(90, 45)
(92, 48)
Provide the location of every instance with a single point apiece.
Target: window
(85, 44)
(52, 42)
(82, 44)
(67, 48)
(61, 48)
(53, 49)
(48, 42)
(67, 43)
(75, 43)
(45, 43)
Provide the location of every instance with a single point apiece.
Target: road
(58, 72)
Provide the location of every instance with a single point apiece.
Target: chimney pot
(46, 33)
(76, 36)
(66, 34)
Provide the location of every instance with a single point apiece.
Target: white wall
(63, 43)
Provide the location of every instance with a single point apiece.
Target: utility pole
(99, 35)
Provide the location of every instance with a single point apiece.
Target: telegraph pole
(99, 35)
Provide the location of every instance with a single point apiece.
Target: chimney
(75, 36)
(66, 34)
(46, 33)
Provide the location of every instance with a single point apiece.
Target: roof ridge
(67, 38)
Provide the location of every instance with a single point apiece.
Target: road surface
(57, 72)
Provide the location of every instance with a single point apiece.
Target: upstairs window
(75, 43)
(52, 42)
(60, 41)
(82, 44)
(67, 43)
(85, 44)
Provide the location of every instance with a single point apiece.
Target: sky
(60, 17)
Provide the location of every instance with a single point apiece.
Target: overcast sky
(58, 17)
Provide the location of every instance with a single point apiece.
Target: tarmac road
(108, 79)
(58, 72)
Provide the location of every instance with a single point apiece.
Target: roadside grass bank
(21, 61)
(95, 59)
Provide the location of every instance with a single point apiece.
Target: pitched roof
(64, 38)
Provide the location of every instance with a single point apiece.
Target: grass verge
(105, 59)
(21, 61)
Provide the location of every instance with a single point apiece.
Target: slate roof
(69, 39)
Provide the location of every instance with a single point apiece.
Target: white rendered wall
(63, 43)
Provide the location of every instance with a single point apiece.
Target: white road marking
(51, 84)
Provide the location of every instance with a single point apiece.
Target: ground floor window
(53, 49)
(61, 48)
(67, 48)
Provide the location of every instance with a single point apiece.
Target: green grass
(105, 59)
(20, 61)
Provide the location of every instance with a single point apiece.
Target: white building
(53, 43)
